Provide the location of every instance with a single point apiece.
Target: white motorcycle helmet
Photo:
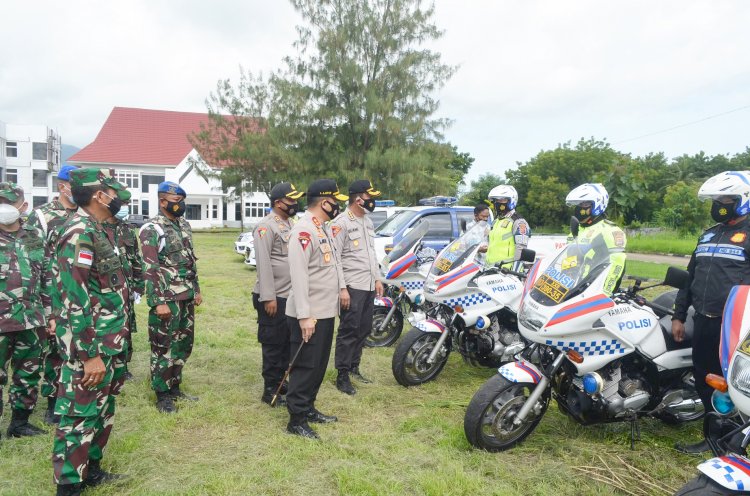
(729, 183)
(504, 191)
(595, 193)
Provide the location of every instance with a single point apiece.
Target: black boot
(320, 418)
(165, 403)
(358, 375)
(179, 395)
(98, 476)
(693, 449)
(20, 426)
(344, 384)
(298, 426)
(49, 414)
(69, 489)
(268, 393)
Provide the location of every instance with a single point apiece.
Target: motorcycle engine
(618, 396)
(491, 346)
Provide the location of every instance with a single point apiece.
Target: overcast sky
(532, 73)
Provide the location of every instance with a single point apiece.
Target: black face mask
(335, 209)
(501, 210)
(722, 212)
(114, 206)
(369, 205)
(176, 208)
(289, 210)
(582, 214)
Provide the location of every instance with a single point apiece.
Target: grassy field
(389, 440)
(663, 242)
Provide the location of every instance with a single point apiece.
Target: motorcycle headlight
(722, 403)
(740, 373)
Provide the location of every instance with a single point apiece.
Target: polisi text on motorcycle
(631, 325)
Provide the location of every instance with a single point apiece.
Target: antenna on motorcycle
(575, 226)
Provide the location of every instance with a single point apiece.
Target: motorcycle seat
(667, 300)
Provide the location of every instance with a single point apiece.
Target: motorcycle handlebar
(522, 275)
(659, 308)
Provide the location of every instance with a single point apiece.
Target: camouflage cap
(11, 191)
(98, 177)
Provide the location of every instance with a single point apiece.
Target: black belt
(708, 315)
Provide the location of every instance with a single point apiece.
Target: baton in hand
(286, 374)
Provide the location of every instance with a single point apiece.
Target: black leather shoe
(69, 489)
(268, 396)
(20, 427)
(179, 395)
(165, 403)
(693, 449)
(344, 384)
(358, 376)
(97, 476)
(302, 429)
(320, 418)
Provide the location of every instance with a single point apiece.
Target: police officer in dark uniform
(271, 240)
(318, 291)
(719, 262)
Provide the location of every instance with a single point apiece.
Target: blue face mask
(123, 212)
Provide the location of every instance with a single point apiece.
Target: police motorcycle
(603, 359)
(405, 270)
(727, 429)
(470, 308)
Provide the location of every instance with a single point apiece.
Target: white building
(146, 147)
(30, 156)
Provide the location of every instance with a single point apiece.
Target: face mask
(8, 214)
(582, 214)
(114, 205)
(722, 212)
(368, 205)
(176, 208)
(289, 210)
(124, 211)
(333, 212)
(501, 209)
(68, 195)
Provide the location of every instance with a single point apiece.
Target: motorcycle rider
(596, 232)
(510, 232)
(719, 262)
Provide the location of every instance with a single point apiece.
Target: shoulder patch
(84, 255)
(619, 238)
(523, 228)
(262, 232)
(738, 237)
(335, 229)
(304, 239)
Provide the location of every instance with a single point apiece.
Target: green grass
(389, 440)
(663, 242)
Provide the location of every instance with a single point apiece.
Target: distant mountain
(68, 151)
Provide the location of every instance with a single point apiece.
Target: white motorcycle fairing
(731, 471)
(521, 371)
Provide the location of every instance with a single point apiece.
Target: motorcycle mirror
(676, 278)
(527, 255)
(575, 226)
(463, 225)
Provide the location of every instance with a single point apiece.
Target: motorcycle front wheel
(488, 422)
(704, 486)
(409, 364)
(391, 333)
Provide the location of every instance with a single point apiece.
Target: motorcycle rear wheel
(409, 363)
(704, 486)
(488, 422)
(390, 334)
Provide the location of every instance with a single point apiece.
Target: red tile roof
(144, 137)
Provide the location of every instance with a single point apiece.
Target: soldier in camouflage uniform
(130, 255)
(172, 291)
(48, 221)
(22, 309)
(91, 328)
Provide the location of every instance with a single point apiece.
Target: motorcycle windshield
(456, 253)
(571, 272)
(412, 238)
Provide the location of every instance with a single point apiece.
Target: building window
(147, 180)
(39, 151)
(130, 179)
(39, 201)
(257, 210)
(144, 208)
(11, 149)
(55, 188)
(215, 213)
(11, 175)
(39, 178)
(134, 208)
(237, 210)
(193, 212)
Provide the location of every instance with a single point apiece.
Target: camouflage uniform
(127, 245)
(93, 290)
(23, 305)
(169, 270)
(48, 221)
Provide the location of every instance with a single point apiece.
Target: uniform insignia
(619, 238)
(522, 228)
(304, 240)
(505, 223)
(706, 237)
(738, 237)
(262, 232)
(316, 221)
(335, 230)
(350, 214)
(326, 257)
(356, 242)
(85, 257)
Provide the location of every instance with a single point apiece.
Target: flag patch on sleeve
(261, 232)
(85, 257)
(304, 240)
